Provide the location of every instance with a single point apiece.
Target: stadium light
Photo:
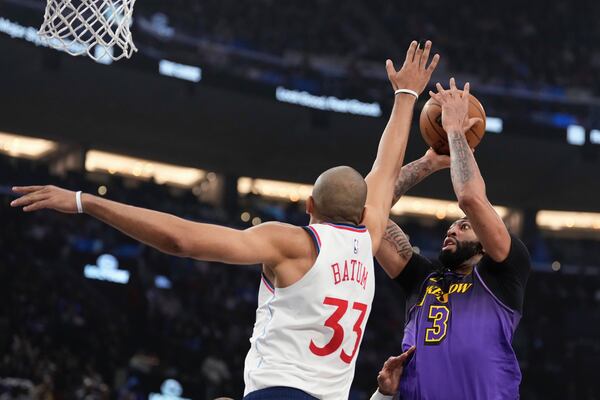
(25, 147)
(576, 135)
(106, 269)
(560, 220)
(170, 390)
(440, 209)
(180, 71)
(408, 205)
(274, 189)
(494, 124)
(162, 282)
(142, 169)
(595, 136)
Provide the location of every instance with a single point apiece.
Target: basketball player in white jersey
(318, 281)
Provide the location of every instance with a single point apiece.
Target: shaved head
(339, 195)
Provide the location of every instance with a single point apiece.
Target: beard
(464, 251)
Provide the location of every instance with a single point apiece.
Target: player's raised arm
(415, 171)
(407, 83)
(173, 235)
(466, 177)
(395, 249)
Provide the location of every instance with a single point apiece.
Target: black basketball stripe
(434, 125)
(479, 108)
(472, 130)
(473, 103)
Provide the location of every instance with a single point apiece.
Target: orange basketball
(430, 123)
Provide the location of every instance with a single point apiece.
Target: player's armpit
(395, 250)
(488, 226)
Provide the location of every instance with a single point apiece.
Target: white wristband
(378, 396)
(78, 201)
(407, 91)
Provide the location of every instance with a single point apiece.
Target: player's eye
(465, 227)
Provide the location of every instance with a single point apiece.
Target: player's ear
(310, 205)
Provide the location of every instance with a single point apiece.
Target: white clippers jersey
(307, 335)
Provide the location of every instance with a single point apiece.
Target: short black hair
(340, 194)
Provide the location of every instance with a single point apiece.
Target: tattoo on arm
(398, 239)
(410, 175)
(461, 168)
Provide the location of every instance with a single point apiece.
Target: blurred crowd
(338, 48)
(63, 336)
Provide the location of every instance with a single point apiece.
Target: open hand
(388, 378)
(415, 73)
(39, 197)
(455, 107)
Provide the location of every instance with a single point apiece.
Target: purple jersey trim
(492, 294)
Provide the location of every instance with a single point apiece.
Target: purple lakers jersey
(463, 332)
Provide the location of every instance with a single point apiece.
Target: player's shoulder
(517, 253)
(517, 245)
(516, 264)
(282, 228)
(292, 239)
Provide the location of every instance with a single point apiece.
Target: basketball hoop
(98, 28)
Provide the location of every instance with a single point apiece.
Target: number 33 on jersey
(319, 321)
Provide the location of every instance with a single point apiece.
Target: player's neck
(314, 219)
(467, 267)
(464, 269)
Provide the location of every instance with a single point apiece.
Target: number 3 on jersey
(438, 314)
(333, 322)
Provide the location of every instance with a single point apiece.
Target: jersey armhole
(314, 236)
(491, 293)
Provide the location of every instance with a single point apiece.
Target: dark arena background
(226, 115)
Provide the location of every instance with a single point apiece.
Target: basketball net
(98, 28)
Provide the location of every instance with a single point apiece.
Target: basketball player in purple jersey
(463, 309)
(317, 283)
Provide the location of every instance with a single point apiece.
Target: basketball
(433, 133)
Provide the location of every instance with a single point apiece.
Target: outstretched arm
(414, 76)
(172, 235)
(466, 177)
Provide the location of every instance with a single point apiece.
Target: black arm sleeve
(507, 279)
(414, 273)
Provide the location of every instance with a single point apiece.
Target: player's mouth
(447, 243)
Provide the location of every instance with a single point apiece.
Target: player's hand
(388, 378)
(438, 161)
(455, 107)
(415, 73)
(35, 198)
